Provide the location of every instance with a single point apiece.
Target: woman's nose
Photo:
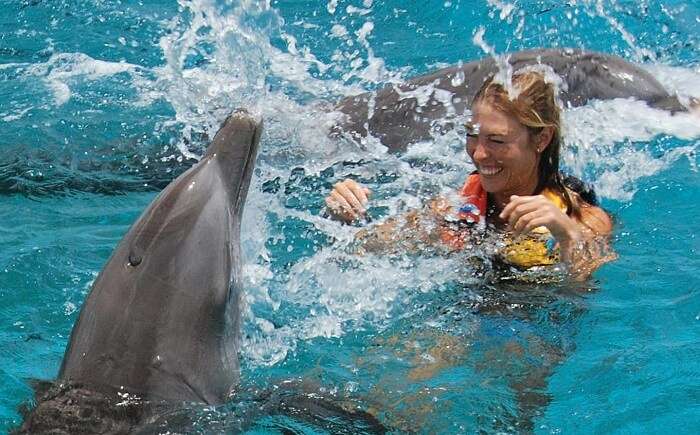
(480, 152)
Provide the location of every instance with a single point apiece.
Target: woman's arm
(593, 248)
(413, 231)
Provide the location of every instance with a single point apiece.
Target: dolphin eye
(134, 260)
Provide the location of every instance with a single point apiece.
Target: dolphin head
(163, 317)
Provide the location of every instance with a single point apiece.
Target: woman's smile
(489, 171)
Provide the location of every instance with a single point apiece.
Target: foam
(16, 115)
(62, 68)
(684, 82)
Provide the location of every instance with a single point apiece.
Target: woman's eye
(497, 141)
(472, 135)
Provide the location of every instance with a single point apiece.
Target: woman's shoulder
(592, 216)
(595, 218)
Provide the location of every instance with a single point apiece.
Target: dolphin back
(162, 317)
(398, 119)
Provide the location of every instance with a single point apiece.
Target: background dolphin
(397, 117)
(162, 318)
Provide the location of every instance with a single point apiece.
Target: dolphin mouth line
(249, 163)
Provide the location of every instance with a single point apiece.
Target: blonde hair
(532, 101)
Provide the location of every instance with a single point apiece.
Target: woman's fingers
(521, 205)
(363, 194)
(359, 191)
(338, 201)
(353, 195)
(558, 223)
(518, 227)
(347, 200)
(339, 208)
(525, 213)
(513, 204)
(529, 222)
(522, 210)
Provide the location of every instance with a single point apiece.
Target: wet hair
(532, 101)
(584, 190)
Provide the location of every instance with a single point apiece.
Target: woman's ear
(544, 138)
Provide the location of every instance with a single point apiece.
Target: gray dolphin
(398, 120)
(160, 325)
(162, 318)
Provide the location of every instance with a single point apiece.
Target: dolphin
(158, 334)
(403, 114)
(162, 318)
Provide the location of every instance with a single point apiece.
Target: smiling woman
(514, 140)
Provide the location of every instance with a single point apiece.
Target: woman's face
(503, 152)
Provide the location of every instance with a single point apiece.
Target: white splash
(611, 139)
(504, 75)
(683, 82)
(62, 69)
(332, 6)
(505, 8)
(18, 114)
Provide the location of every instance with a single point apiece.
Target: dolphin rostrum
(162, 318)
(399, 115)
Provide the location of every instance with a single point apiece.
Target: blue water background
(86, 146)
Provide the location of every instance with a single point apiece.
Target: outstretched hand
(525, 213)
(347, 200)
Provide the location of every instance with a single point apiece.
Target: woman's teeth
(490, 171)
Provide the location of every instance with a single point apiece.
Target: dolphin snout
(243, 121)
(238, 136)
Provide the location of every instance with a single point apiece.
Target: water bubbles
(505, 8)
(69, 308)
(479, 41)
(332, 6)
(352, 10)
(339, 31)
(351, 386)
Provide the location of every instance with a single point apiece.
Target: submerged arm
(414, 231)
(592, 249)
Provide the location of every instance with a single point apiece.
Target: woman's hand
(347, 200)
(525, 213)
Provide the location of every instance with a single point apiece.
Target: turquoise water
(102, 103)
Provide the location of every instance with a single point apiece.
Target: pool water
(103, 103)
